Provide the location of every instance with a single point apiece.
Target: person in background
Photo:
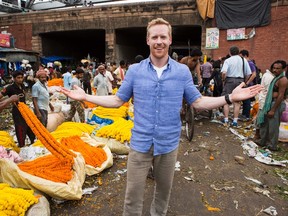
(158, 90)
(100, 82)
(138, 58)
(206, 71)
(110, 79)
(268, 118)
(119, 73)
(67, 79)
(246, 104)
(266, 79)
(76, 105)
(87, 79)
(21, 127)
(235, 70)
(4, 103)
(40, 98)
(193, 63)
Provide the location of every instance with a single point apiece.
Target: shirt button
(157, 111)
(156, 125)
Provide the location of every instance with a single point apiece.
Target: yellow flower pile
(111, 113)
(114, 91)
(15, 201)
(7, 141)
(68, 129)
(119, 130)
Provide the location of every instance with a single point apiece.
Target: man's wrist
(227, 99)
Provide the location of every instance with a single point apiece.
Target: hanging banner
(212, 38)
(236, 34)
(4, 40)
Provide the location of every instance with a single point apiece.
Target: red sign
(4, 40)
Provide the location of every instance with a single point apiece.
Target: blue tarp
(45, 60)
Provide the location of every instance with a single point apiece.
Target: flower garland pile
(7, 141)
(55, 82)
(15, 201)
(49, 167)
(68, 129)
(119, 130)
(90, 105)
(114, 91)
(111, 113)
(94, 156)
(86, 128)
(61, 152)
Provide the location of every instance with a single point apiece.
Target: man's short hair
(234, 50)
(138, 58)
(196, 52)
(244, 53)
(122, 62)
(17, 73)
(159, 21)
(79, 71)
(282, 62)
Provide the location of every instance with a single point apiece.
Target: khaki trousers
(137, 171)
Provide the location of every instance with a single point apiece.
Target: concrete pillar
(37, 44)
(110, 41)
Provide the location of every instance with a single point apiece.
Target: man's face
(19, 79)
(43, 78)
(159, 40)
(277, 69)
(79, 75)
(101, 69)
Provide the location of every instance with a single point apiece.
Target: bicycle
(187, 118)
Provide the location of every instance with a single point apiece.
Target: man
(265, 82)
(246, 104)
(206, 71)
(76, 105)
(110, 79)
(235, 70)
(40, 97)
(193, 62)
(269, 116)
(6, 102)
(158, 85)
(100, 82)
(87, 79)
(67, 79)
(21, 127)
(119, 73)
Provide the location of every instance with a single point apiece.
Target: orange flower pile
(49, 167)
(89, 104)
(61, 152)
(93, 156)
(55, 82)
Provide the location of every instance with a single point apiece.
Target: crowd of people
(158, 85)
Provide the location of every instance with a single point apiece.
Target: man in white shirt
(235, 70)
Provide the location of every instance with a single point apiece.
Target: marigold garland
(55, 82)
(119, 130)
(49, 167)
(94, 156)
(15, 201)
(7, 141)
(44, 136)
(68, 129)
(111, 113)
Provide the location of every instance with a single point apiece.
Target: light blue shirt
(67, 79)
(233, 67)
(157, 104)
(40, 92)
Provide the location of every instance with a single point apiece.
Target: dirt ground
(200, 183)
